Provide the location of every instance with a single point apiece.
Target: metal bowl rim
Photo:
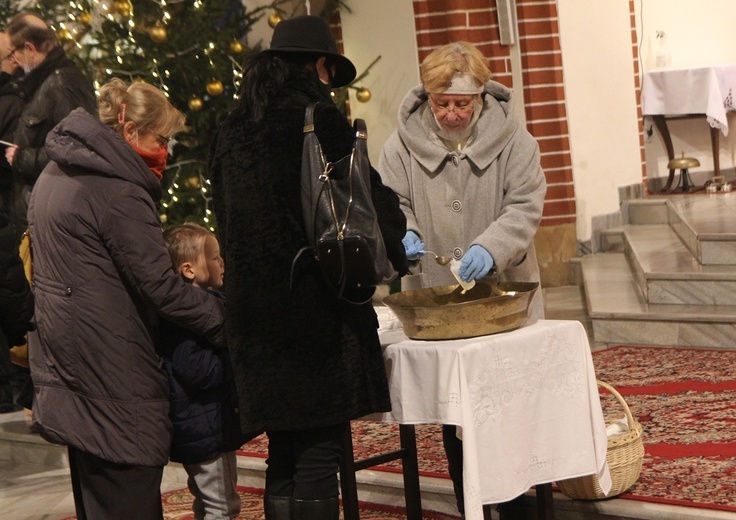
(389, 300)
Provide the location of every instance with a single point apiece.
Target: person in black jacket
(305, 361)
(16, 306)
(11, 229)
(204, 403)
(11, 107)
(51, 88)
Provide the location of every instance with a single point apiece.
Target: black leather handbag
(339, 216)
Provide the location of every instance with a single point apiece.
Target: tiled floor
(39, 491)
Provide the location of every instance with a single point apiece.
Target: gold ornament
(363, 95)
(138, 79)
(214, 88)
(122, 7)
(163, 218)
(273, 19)
(195, 104)
(193, 182)
(236, 47)
(64, 34)
(158, 33)
(85, 18)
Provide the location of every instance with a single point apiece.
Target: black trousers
(454, 452)
(303, 464)
(104, 489)
(6, 371)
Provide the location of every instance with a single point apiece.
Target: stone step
(646, 211)
(620, 315)
(612, 240)
(706, 224)
(667, 272)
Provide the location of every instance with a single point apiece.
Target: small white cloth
(527, 402)
(697, 90)
(387, 320)
(617, 427)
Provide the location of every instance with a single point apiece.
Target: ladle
(442, 260)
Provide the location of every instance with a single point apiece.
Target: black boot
(325, 509)
(277, 508)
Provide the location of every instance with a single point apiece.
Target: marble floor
(37, 488)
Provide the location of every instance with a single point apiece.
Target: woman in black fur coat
(306, 362)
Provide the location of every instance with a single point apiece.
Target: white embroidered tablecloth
(526, 402)
(697, 90)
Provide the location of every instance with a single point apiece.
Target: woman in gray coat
(102, 277)
(470, 183)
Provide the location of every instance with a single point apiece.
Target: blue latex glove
(413, 245)
(474, 264)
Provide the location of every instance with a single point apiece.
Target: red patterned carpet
(684, 398)
(686, 401)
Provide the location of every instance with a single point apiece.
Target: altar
(526, 403)
(686, 93)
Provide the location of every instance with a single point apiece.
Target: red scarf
(156, 161)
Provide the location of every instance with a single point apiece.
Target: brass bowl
(445, 312)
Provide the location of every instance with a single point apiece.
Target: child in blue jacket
(204, 402)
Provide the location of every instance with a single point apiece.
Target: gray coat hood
(82, 142)
(494, 124)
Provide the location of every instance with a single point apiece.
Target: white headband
(464, 84)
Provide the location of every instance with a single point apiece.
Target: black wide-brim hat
(312, 35)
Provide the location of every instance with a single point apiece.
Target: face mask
(156, 161)
(27, 68)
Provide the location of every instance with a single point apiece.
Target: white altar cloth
(696, 90)
(526, 401)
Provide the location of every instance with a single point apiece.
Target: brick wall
(441, 21)
(637, 85)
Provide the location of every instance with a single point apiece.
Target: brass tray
(445, 312)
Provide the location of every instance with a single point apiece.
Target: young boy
(204, 403)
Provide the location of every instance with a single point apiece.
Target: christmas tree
(191, 49)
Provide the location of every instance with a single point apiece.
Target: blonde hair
(141, 103)
(185, 243)
(439, 67)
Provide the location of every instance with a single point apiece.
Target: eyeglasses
(11, 56)
(461, 108)
(163, 141)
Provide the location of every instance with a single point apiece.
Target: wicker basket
(624, 455)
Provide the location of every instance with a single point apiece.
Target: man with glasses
(470, 183)
(11, 106)
(52, 87)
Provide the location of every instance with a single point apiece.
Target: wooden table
(687, 93)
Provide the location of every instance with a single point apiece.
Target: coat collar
(82, 142)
